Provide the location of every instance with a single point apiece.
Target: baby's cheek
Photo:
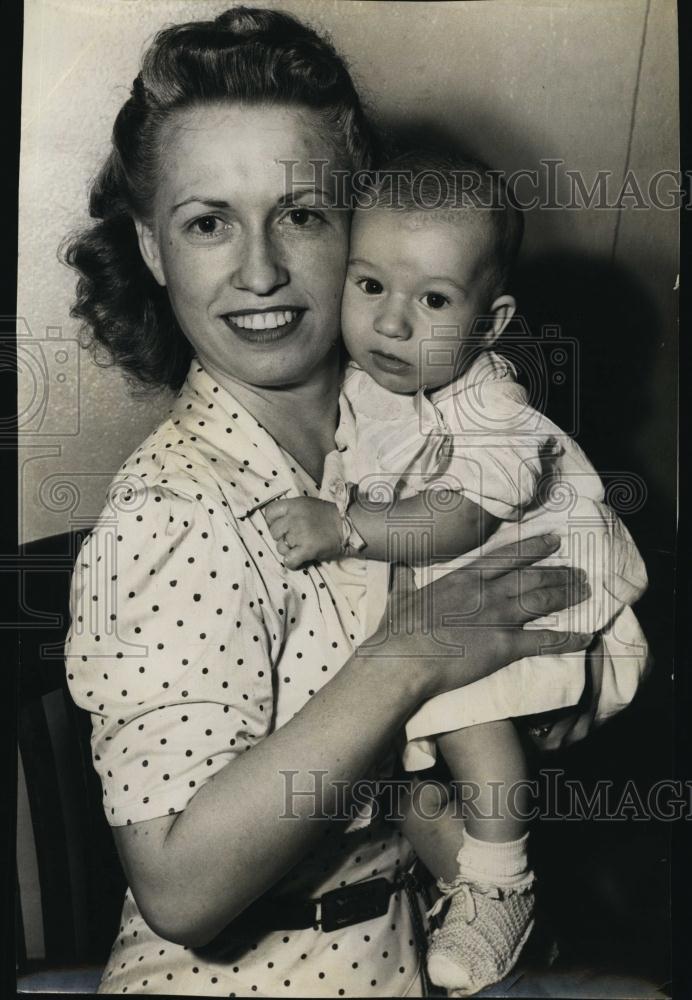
(354, 320)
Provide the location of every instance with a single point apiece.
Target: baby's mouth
(389, 363)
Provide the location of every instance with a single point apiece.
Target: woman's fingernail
(551, 539)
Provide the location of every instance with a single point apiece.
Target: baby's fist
(305, 529)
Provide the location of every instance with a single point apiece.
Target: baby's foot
(482, 936)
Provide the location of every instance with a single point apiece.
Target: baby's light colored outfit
(480, 437)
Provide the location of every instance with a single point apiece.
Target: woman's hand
(469, 623)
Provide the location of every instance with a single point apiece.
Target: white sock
(504, 865)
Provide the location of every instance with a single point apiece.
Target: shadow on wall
(604, 310)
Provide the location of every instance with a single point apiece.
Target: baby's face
(409, 273)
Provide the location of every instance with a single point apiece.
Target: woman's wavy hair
(247, 54)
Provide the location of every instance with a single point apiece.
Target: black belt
(351, 904)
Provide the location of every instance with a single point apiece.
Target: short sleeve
(497, 448)
(168, 650)
(501, 477)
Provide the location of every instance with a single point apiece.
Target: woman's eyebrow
(201, 200)
(219, 203)
(292, 196)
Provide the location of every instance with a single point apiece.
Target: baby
(440, 458)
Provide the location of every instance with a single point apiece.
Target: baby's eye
(207, 226)
(435, 300)
(370, 286)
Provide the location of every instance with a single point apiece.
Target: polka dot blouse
(190, 642)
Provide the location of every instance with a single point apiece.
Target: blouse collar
(252, 467)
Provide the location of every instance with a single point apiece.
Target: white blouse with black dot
(190, 642)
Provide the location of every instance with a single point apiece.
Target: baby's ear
(502, 310)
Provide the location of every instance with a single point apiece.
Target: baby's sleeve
(167, 650)
(500, 475)
(497, 447)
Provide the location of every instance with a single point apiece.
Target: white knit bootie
(484, 930)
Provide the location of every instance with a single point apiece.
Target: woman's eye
(303, 217)
(370, 286)
(207, 226)
(435, 300)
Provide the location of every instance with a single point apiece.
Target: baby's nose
(392, 321)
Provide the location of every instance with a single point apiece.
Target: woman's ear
(502, 310)
(149, 248)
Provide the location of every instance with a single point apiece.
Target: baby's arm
(419, 529)
(411, 530)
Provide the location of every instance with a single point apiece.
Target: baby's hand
(305, 529)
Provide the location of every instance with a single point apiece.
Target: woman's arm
(193, 872)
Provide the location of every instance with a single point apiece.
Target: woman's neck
(301, 418)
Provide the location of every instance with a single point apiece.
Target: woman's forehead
(231, 150)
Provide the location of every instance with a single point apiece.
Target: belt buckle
(355, 903)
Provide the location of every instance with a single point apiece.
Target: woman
(191, 644)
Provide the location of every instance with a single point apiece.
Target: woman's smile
(265, 326)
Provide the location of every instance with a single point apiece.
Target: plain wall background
(590, 83)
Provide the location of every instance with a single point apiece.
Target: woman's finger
(402, 581)
(531, 578)
(544, 601)
(399, 599)
(516, 554)
(540, 642)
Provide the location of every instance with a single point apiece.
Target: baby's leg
(490, 914)
(489, 762)
(433, 827)
(475, 756)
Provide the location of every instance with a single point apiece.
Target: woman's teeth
(264, 321)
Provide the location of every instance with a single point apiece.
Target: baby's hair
(424, 181)
(247, 55)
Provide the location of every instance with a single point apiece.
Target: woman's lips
(388, 363)
(264, 326)
(264, 320)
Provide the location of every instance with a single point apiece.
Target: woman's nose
(260, 269)
(392, 321)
